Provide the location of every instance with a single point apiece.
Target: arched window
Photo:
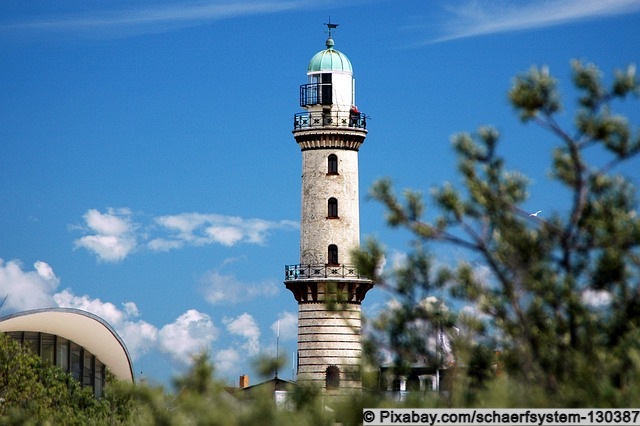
(333, 254)
(333, 165)
(333, 377)
(332, 208)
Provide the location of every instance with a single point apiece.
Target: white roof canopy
(86, 329)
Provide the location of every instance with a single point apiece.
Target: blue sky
(148, 172)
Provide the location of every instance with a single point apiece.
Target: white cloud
(245, 326)
(139, 336)
(26, 290)
(227, 360)
(183, 227)
(46, 272)
(473, 312)
(596, 298)
(191, 333)
(198, 229)
(112, 237)
(393, 304)
(432, 304)
(158, 17)
(131, 309)
(435, 338)
(482, 274)
(472, 18)
(161, 244)
(225, 235)
(114, 222)
(22, 290)
(287, 324)
(105, 310)
(398, 259)
(221, 288)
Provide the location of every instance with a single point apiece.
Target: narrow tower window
(333, 165)
(333, 254)
(326, 90)
(333, 377)
(332, 208)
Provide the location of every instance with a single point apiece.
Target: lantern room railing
(316, 94)
(311, 271)
(305, 120)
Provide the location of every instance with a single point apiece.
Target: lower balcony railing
(304, 120)
(309, 271)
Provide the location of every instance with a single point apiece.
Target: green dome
(330, 60)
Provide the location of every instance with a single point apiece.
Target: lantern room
(329, 81)
(329, 94)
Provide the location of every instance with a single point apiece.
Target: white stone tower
(325, 283)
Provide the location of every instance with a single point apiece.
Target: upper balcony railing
(304, 120)
(315, 271)
(316, 94)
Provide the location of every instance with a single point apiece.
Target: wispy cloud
(471, 18)
(114, 234)
(155, 17)
(199, 229)
(224, 288)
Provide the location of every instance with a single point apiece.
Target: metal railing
(305, 120)
(316, 94)
(310, 271)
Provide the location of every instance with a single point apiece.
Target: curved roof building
(77, 341)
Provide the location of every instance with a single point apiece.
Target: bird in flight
(535, 214)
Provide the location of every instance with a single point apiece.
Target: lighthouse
(325, 283)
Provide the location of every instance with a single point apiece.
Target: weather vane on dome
(331, 26)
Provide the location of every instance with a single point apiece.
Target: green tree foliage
(35, 394)
(200, 399)
(32, 392)
(543, 273)
(558, 347)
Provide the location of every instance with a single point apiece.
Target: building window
(62, 357)
(333, 377)
(67, 355)
(99, 378)
(332, 208)
(32, 341)
(333, 165)
(333, 254)
(76, 361)
(48, 345)
(88, 367)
